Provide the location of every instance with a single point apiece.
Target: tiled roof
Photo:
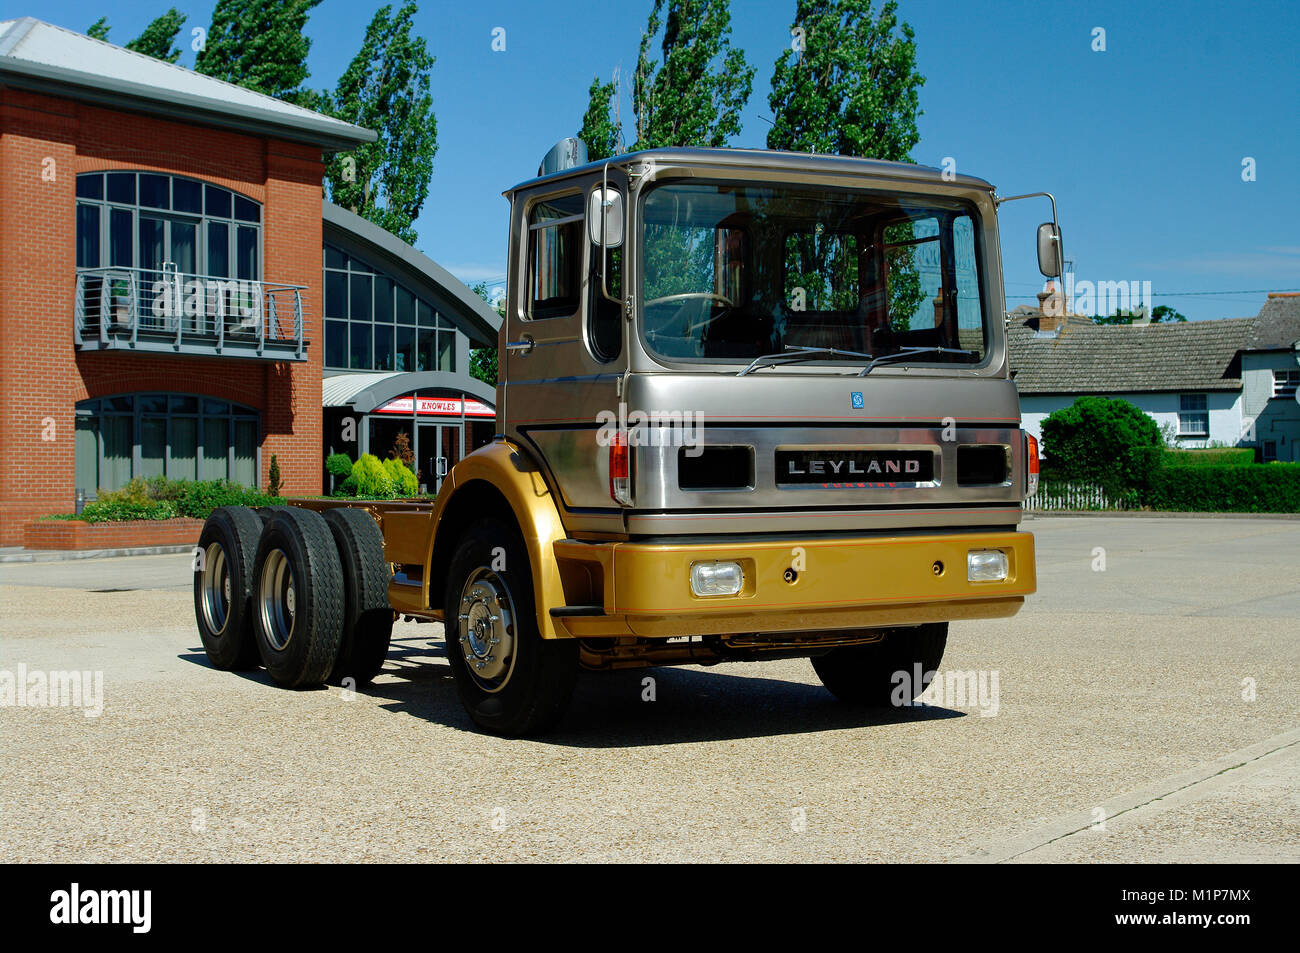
(1089, 358)
(1278, 324)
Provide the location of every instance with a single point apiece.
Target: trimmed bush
(1218, 457)
(401, 477)
(159, 498)
(113, 511)
(339, 464)
(372, 479)
(200, 498)
(1103, 441)
(1258, 488)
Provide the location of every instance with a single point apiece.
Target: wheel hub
(486, 631)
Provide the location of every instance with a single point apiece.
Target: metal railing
(169, 309)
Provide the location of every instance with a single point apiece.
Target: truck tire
(367, 616)
(265, 513)
(511, 680)
(223, 574)
(864, 674)
(297, 598)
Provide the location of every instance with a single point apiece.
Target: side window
(555, 256)
(605, 317)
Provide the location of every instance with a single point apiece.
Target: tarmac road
(1145, 711)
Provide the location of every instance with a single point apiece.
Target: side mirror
(1049, 250)
(605, 208)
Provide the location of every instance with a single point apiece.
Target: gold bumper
(622, 589)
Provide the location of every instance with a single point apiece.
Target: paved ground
(1146, 711)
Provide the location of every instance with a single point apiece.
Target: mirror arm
(1060, 245)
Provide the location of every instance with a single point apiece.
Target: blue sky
(1142, 144)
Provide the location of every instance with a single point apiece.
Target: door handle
(524, 346)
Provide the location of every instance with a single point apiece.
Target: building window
(555, 256)
(1285, 383)
(180, 436)
(1193, 416)
(143, 221)
(1268, 451)
(373, 323)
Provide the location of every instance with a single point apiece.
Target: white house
(1222, 383)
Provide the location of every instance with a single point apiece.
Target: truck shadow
(615, 710)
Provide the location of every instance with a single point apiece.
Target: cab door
(564, 342)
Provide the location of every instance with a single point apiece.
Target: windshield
(731, 272)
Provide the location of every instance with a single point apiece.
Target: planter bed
(78, 534)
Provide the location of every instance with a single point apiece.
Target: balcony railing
(171, 311)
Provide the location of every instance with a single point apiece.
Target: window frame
(443, 329)
(200, 220)
(1185, 414)
(583, 255)
(1285, 385)
(97, 410)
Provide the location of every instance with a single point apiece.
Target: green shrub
(273, 477)
(106, 511)
(1233, 456)
(1103, 441)
(200, 498)
(348, 487)
(339, 464)
(401, 477)
(1258, 488)
(372, 479)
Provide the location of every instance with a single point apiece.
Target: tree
(848, 85)
(853, 90)
(386, 88)
(692, 94)
(158, 36)
(1110, 443)
(599, 131)
(1161, 312)
(260, 45)
(483, 360)
(99, 29)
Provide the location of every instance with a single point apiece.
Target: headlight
(716, 579)
(986, 565)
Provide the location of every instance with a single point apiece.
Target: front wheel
(511, 680)
(869, 674)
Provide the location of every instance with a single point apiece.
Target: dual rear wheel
(304, 594)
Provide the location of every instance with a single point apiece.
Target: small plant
(273, 482)
(372, 479)
(339, 464)
(402, 449)
(400, 476)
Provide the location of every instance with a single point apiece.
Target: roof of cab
(743, 159)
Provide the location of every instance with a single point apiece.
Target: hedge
(1226, 456)
(1262, 488)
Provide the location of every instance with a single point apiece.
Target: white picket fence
(1070, 496)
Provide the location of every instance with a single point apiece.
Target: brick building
(161, 274)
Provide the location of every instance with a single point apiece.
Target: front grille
(984, 465)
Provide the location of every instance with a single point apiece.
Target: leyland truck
(752, 405)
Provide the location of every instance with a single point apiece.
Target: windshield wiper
(795, 353)
(911, 352)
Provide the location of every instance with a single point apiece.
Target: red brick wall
(74, 534)
(44, 142)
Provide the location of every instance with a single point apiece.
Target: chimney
(1052, 304)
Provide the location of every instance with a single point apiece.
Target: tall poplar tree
(260, 45)
(386, 88)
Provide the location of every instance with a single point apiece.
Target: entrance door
(439, 451)
(168, 253)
